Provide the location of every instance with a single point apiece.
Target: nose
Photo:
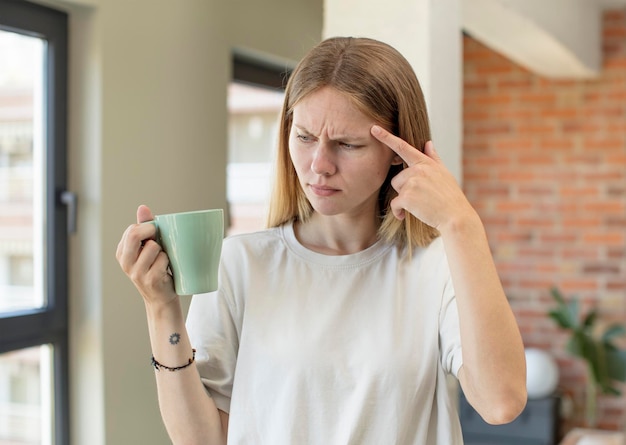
(323, 162)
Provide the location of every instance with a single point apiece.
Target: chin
(326, 210)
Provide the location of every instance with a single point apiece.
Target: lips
(322, 190)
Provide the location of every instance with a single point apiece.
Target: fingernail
(376, 129)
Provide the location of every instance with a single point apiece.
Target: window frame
(48, 325)
(257, 71)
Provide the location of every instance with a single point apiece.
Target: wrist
(465, 224)
(159, 310)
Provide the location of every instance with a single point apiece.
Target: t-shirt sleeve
(449, 332)
(212, 324)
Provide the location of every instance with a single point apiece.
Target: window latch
(70, 200)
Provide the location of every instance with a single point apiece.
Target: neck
(335, 235)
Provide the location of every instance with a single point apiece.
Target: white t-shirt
(303, 348)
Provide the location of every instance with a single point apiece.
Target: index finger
(406, 151)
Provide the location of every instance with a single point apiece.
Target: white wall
(148, 82)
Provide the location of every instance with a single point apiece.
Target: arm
(188, 412)
(493, 375)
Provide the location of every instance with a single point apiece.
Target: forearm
(493, 375)
(189, 414)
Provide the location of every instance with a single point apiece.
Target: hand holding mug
(171, 254)
(144, 260)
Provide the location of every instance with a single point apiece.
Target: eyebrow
(341, 138)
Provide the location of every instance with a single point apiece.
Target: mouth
(323, 190)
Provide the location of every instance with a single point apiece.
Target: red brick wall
(545, 166)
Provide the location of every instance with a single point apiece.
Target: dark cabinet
(536, 425)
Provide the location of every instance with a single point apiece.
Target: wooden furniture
(583, 436)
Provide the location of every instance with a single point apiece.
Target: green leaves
(566, 313)
(607, 363)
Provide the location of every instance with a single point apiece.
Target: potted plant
(606, 362)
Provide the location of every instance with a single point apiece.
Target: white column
(428, 33)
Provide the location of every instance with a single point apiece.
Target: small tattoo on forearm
(174, 338)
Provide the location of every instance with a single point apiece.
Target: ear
(397, 160)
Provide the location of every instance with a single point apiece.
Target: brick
(558, 238)
(491, 161)
(616, 192)
(536, 251)
(615, 221)
(489, 100)
(610, 269)
(552, 144)
(536, 190)
(616, 159)
(605, 111)
(614, 33)
(603, 144)
(619, 285)
(605, 208)
(530, 160)
(581, 127)
(608, 239)
(562, 113)
(537, 223)
(516, 237)
(577, 285)
(498, 69)
(580, 253)
(491, 128)
(517, 176)
(474, 115)
(473, 86)
(522, 83)
(515, 144)
(581, 222)
(604, 176)
(584, 191)
(537, 129)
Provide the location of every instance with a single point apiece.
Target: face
(340, 165)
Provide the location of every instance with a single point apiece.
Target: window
(255, 98)
(33, 225)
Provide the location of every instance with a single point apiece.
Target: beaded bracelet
(158, 366)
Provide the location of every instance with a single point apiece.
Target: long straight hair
(382, 84)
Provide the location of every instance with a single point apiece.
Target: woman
(374, 281)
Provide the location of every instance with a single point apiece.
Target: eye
(348, 146)
(303, 137)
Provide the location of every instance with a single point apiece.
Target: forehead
(328, 108)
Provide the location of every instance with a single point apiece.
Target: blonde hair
(383, 85)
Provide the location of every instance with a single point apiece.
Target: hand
(144, 261)
(426, 188)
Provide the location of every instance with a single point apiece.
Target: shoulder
(434, 251)
(253, 238)
(430, 263)
(251, 245)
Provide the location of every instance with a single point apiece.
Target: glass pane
(25, 396)
(21, 172)
(252, 137)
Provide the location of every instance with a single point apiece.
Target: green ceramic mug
(193, 243)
